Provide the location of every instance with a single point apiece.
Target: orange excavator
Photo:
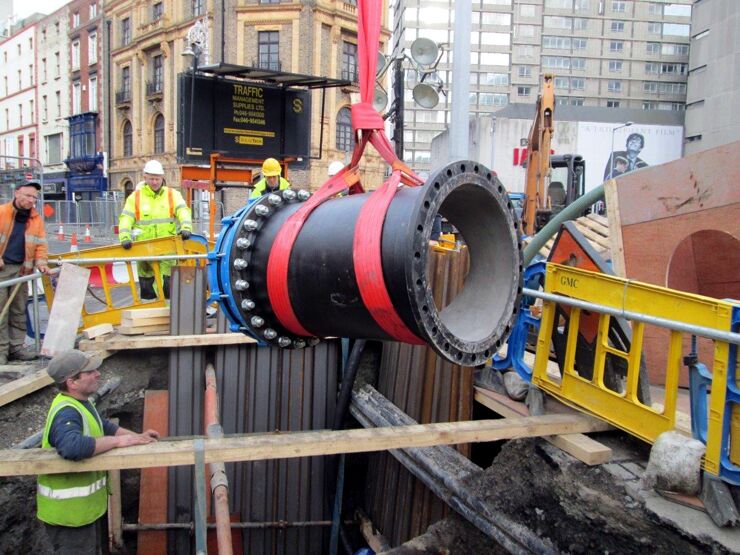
(552, 182)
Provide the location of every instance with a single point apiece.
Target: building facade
(712, 118)
(53, 99)
(605, 53)
(147, 55)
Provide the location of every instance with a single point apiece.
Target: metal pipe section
(219, 481)
(718, 335)
(29, 277)
(322, 282)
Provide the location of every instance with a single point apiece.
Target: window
(677, 10)
(672, 88)
(673, 69)
(75, 20)
(526, 51)
(525, 31)
(582, 5)
(44, 108)
(655, 9)
(650, 87)
(493, 99)
(525, 71)
(577, 83)
(578, 63)
(197, 7)
(76, 98)
(523, 91)
(499, 39)
(655, 28)
(561, 62)
(494, 59)
(159, 134)
(652, 67)
(20, 80)
(617, 26)
(32, 111)
(53, 148)
(30, 75)
(268, 50)
(615, 65)
(527, 10)
(92, 48)
(653, 48)
(492, 18)
(580, 24)
(619, 6)
(43, 70)
(614, 86)
(128, 139)
(616, 46)
(612, 103)
(562, 43)
(676, 30)
(562, 83)
(125, 31)
(500, 79)
(92, 94)
(649, 105)
(558, 22)
(93, 10)
(560, 4)
(579, 44)
(57, 65)
(157, 11)
(345, 139)
(671, 49)
(20, 114)
(76, 55)
(59, 104)
(349, 62)
(126, 79)
(157, 73)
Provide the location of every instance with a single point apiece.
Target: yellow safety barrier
(623, 409)
(103, 278)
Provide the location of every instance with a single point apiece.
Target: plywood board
(135, 313)
(97, 331)
(64, 318)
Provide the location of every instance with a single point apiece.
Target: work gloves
(185, 234)
(126, 244)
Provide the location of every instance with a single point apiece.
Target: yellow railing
(623, 408)
(103, 281)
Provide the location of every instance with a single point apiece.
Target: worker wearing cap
(72, 504)
(271, 180)
(153, 210)
(23, 249)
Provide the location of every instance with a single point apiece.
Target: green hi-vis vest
(78, 498)
(261, 187)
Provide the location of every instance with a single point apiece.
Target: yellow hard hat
(270, 167)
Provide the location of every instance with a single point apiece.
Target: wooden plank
(136, 313)
(582, 447)
(115, 513)
(282, 445)
(592, 236)
(33, 382)
(166, 341)
(97, 331)
(66, 311)
(616, 245)
(133, 322)
(153, 484)
(136, 330)
(599, 219)
(597, 227)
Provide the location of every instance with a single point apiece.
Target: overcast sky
(25, 8)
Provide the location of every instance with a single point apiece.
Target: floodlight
(424, 51)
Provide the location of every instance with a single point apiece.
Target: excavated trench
(577, 508)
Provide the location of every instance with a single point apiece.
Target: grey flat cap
(70, 363)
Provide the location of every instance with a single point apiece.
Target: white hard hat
(153, 167)
(335, 167)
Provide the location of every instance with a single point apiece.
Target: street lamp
(611, 156)
(196, 45)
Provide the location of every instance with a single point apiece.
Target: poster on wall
(611, 152)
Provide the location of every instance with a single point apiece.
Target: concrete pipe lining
(323, 285)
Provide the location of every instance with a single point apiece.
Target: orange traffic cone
(60, 233)
(73, 247)
(87, 237)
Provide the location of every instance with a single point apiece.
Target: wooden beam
(616, 242)
(582, 447)
(166, 341)
(257, 447)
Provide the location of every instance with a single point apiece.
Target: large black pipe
(321, 276)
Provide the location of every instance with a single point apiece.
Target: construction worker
(153, 210)
(23, 249)
(71, 505)
(271, 179)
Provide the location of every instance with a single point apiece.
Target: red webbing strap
(368, 126)
(368, 263)
(282, 247)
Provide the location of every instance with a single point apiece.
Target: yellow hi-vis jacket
(160, 214)
(77, 498)
(260, 188)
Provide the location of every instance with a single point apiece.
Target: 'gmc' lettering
(569, 281)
